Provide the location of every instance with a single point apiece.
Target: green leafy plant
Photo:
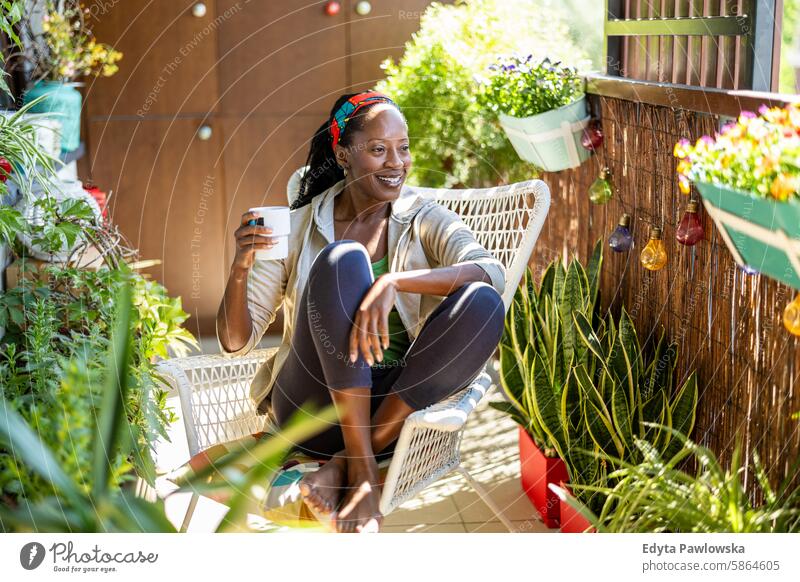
(582, 386)
(29, 163)
(11, 12)
(51, 323)
(541, 339)
(656, 495)
(521, 87)
(91, 501)
(453, 140)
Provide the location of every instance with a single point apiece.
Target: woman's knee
(481, 303)
(340, 258)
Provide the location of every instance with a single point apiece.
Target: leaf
(570, 302)
(559, 277)
(511, 377)
(69, 232)
(683, 411)
(546, 406)
(621, 413)
(593, 271)
(113, 422)
(588, 337)
(548, 279)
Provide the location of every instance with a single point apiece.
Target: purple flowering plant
(520, 86)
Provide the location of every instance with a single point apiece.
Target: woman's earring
(344, 170)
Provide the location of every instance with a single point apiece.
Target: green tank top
(398, 337)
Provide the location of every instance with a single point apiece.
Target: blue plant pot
(64, 101)
(550, 140)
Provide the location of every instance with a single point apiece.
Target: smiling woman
(391, 304)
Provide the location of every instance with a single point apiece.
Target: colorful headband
(349, 108)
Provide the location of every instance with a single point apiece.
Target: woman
(391, 304)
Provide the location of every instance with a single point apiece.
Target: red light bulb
(690, 230)
(332, 8)
(592, 136)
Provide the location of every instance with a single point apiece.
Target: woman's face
(378, 158)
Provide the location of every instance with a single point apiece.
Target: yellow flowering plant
(67, 49)
(755, 153)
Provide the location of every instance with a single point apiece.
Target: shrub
(453, 140)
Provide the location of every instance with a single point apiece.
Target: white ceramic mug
(276, 218)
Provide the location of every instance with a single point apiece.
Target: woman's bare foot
(322, 489)
(359, 512)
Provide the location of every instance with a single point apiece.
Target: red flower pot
(537, 471)
(571, 520)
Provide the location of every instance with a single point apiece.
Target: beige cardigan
(421, 234)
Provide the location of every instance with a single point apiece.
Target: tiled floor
(489, 453)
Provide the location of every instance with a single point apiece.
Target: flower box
(536, 472)
(762, 234)
(550, 140)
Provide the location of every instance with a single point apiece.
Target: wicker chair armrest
(451, 414)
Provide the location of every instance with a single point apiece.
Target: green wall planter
(761, 233)
(551, 140)
(64, 101)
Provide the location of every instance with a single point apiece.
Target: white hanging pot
(550, 140)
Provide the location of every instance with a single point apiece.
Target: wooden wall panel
(380, 34)
(168, 63)
(167, 198)
(280, 57)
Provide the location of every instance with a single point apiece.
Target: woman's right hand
(250, 239)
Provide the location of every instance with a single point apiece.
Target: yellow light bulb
(791, 316)
(654, 254)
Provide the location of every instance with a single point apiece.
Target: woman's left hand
(370, 332)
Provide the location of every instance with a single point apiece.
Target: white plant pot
(550, 140)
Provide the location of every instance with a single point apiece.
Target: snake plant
(582, 385)
(541, 344)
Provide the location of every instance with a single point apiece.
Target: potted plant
(656, 495)
(62, 51)
(622, 391)
(539, 339)
(583, 386)
(749, 179)
(542, 109)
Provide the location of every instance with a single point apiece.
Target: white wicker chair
(214, 389)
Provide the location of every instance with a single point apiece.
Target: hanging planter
(762, 234)
(537, 472)
(542, 109)
(551, 140)
(748, 177)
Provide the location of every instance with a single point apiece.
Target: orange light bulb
(791, 316)
(654, 254)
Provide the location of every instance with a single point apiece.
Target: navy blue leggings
(449, 352)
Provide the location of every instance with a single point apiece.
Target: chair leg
(189, 512)
(486, 499)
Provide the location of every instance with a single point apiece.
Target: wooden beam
(685, 97)
(697, 26)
